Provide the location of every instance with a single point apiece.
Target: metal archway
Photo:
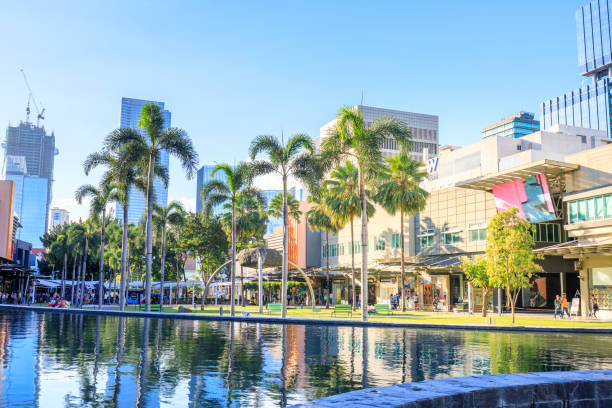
(211, 278)
(307, 279)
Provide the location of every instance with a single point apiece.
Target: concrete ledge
(542, 390)
(256, 318)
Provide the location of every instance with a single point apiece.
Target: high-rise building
(424, 130)
(130, 112)
(517, 125)
(59, 216)
(29, 155)
(589, 105)
(204, 177)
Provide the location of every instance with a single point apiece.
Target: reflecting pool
(57, 359)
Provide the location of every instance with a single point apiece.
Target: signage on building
(432, 168)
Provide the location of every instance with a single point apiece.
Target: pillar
(563, 280)
(584, 292)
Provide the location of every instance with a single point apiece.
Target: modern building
(59, 216)
(203, 177)
(8, 220)
(517, 125)
(130, 112)
(424, 130)
(589, 105)
(29, 155)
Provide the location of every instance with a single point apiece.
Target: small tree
(476, 272)
(510, 257)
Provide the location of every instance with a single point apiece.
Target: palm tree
(293, 159)
(80, 234)
(162, 216)
(216, 192)
(59, 249)
(100, 198)
(351, 138)
(344, 202)
(399, 190)
(319, 217)
(126, 172)
(148, 149)
(275, 209)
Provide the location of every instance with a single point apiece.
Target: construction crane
(40, 113)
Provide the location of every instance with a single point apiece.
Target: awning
(46, 284)
(438, 261)
(575, 249)
(550, 168)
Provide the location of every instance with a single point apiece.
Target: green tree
(275, 208)
(293, 159)
(344, 201)
(510, 257)
(173, 213)
(80, 235)
(58, 253)
(217, 192)
(148, 149)
(319, 217)
(476, 272)
(351, 138)
(100, 198)
(399, 190)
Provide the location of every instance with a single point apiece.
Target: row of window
(590, 209)
(451, 236)
(379, 245)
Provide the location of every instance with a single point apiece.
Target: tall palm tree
(344, 202)
(100, 198)
(173, 213)
(60, 248)
(216, 192)
(127, 172)
(81, 234)
(350, 138)
(293, 159)
(320, 217)
(275, 208)
(399, 190)
(148, 148)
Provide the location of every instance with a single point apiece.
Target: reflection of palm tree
(142, 365)
(364, 357)
(120, 337)
(283, 379)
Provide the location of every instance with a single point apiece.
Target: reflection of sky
(186, 362)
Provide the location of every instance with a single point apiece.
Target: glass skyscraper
(29, 157)
(204, 177)
(517, 125)
(130, 112)
(588, 106)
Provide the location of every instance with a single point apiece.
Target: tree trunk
(64, 273)
(84, 273)
(284, 271)
(163, 267)
(149, 228)
(327, 301)
(124, 249)
(242, 286)
(233, 278)
(485, 293)
(353, 265)
(402, 284)
(364, 249)
(73, 277)
(178, 281)
(204, 288)
(101, 278)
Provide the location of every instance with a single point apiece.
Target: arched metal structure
(306, 278)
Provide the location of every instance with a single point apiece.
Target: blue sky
(231, 70)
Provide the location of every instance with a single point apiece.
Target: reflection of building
(59, 216)
(130, 113)
(204, 177)
(588, 106)
(517, 125)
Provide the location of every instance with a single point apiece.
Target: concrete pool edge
(290, 320)
(542, 389)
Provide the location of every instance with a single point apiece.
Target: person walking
(557, 304)
(594, 307)
(564, 309)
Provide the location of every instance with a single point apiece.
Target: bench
(274, 307)
(343, 309)
(154, 308)
(380, 308)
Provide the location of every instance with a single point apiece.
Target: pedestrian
(594, 306)
(564, 308)
(416, 301)
(557, 305)
(397, 300)
(392, 301)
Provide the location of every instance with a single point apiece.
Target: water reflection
(75, 360)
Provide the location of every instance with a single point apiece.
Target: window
(379, 243)
(478, 232)
(547, 232)
(356, 247)
(427, 238)
(590, 209)
(452, 235)
(341, 249)
(396, 241)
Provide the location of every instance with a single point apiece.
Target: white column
(470, 298)
(260, 294)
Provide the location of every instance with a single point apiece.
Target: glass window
(478, 232)
(396, 241)
(452, 236)
(379, 243)
(427, 238)
(590, 209)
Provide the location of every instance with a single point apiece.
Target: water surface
(69, 360)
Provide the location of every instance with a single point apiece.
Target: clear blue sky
(229, 70)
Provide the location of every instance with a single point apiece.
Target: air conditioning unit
(577, 265)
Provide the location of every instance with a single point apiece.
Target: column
(584, 292)
(563, 280)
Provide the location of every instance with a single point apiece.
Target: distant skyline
(229, 71)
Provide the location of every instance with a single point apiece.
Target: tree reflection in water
(84, 360)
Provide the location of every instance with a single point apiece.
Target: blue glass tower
(204, 177)
(130, 112)
(588, 106)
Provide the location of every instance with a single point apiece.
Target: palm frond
(179, 144)
(267, 144)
